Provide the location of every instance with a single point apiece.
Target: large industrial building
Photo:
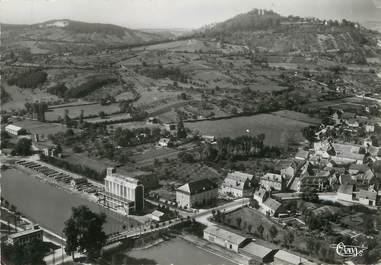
(122, 193)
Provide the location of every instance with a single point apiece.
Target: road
(230, 206)
(201, 216)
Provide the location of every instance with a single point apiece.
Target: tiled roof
(366, 194)
(272, 204)
(198, 186)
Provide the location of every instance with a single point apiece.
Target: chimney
(110, 171)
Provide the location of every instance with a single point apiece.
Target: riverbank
(175, 251)
(233, 257)
(50, 206)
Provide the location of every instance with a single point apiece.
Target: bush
(58, 90)
(28, 80)
(89, 86)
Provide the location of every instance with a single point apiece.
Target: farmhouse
(316, 182)
(302, 155)
(171, 127)
(224, 238)
(25, 237)
(258, 253)
(367, 197)
(237, 184)
(164, 142)
(208, 138)
(268, 205)
(196, 193)
(347, 153)
(272, 181)
(369, 128)
(123, 192)
(14, 130)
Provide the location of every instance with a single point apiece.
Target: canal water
(176, 251)
(46, 204)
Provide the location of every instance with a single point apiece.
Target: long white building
(123, 193)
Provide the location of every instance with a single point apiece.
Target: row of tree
(241, 147)
(76, 168)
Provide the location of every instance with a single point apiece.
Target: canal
(176, 251)
(48, 205)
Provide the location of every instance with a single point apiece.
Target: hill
(267, 31)
(70, 31)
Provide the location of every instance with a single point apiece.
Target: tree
(23, 147)
(84, 232)
(239, 221)
(288, 238)
(254, 203)
(102, 114)
(273, 232)
(181, 132)
(260, 230)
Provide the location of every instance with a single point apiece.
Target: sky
(178, 13)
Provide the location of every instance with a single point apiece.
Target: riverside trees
(84, 232)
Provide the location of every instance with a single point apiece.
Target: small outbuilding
(258, 253)
(287, 258)
(14, 130)
(157, 215)
(225, 238)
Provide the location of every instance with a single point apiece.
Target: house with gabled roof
(196, 193)
(267, 204)
(237, 184)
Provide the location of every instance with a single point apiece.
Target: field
(41, 128)
(20, 96)
(75, 111)
(279, 131)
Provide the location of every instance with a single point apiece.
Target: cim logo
(349, 251)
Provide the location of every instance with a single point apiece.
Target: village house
(196, 193)
(164, 142)
(365, 197)
(25, 237)
(14, 130)
(273, 181)
(361, 173)
(208, 139)
(229, 240)
(368, 197)
(306, 182)
(157, 216)
(237, 184)
(268, 205)
(302, 155)
(347, 153)
(369, 128)
(352, 123)
(171, 127)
